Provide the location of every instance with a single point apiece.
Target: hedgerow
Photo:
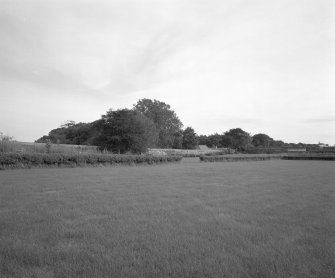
(27, 160)
(310, 157)
(231, 158)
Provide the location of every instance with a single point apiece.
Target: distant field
(258, 219)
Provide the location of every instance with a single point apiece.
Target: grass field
(243, 219)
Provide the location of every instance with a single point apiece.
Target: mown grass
(260, 219)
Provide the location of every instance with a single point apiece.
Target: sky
(265, 66)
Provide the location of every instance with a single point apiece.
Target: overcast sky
(265, 66)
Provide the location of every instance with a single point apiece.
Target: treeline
(150, 124)
(242, 141)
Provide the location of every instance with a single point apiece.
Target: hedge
(232, 158)
(258, 157)
(28, 160)
(306, 157)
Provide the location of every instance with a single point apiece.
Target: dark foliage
(262, 140)
(215, 141)
(190, 138)
(124, 130)
(167, 123)
(233, 158)
(178, 140)
(152, 124)
(71, 133)
(27, 160)
(237, 139)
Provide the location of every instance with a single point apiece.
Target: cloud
(320, 120)
(221, 64)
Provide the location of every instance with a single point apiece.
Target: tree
(70, 133)
(203, 140)
(279, 143)
(261, 140)
(126, 130)
(178, 140)
(190, 138)
(215, 140)
(237, 138)
(227, 141)
(68, 123)
(167, 123)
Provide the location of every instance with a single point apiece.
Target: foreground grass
(257, 219)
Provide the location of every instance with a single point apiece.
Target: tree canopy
(71, 133)
(166, 121)
(152, 123)
(237, 138)
(190, 138)
(126, 130)
(262, 140)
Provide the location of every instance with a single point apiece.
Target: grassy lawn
(242, 219)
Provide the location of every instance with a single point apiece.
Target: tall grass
(7, 144)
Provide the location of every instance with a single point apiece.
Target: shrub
(9, 159)
(231, 158)
(19, 160)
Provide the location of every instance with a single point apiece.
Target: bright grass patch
(261, 219)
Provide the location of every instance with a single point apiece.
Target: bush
(242, 157)
(9, 159)
(26, 160)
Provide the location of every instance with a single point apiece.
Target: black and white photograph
(167, 138)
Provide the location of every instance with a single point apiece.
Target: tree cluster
(242, 141)
(72, 133)
(150, 124)
(234, 138)
(124, 131)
